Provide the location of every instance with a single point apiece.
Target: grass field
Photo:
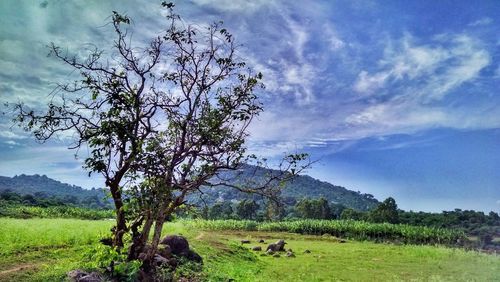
(45, 249)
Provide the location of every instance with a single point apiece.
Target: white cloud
(482, 22)
(368, 83)
(241, 6)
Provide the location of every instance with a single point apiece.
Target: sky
(392, 98)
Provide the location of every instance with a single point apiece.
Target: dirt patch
(200, 236)
(18, 268)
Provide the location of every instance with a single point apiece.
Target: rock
(76, 274)
(257, 248)
(270, 252)
(91, 277)
(290, 254)
(194, 256)
(307, 252)
(165, 251)
(106, 241)
(276, 255)
(289, 250)
(245, 241)
(261, 241)
(159, 260)
(279, 246)
(178, 244)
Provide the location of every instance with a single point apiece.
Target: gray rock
(245, 241)
(178, 244)
(261, 241)
(76, 274)
(165, 251)
(159, 260)
(279, 246)
(290, 254)
(257, 248)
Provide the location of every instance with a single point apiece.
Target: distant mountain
(303, 186)
(45, 187)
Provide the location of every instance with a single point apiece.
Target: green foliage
(313, 209)
(247, 209)
(387, 211)
(40, 190)
(350, 214)
(301, 187)
(101, 257)
(221, 210)
(20, 211)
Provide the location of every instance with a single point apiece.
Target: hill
(44, 187)
(302, 186)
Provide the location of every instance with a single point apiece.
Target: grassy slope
(46, 249)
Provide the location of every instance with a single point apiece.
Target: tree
(159, 121)
(351, 214)
(313, 208)
(387, 211)
(221, 210)
(247, 209)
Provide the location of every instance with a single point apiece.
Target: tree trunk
(121, 223)
(140, 239)
(157, 234)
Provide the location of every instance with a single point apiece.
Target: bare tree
(159, 121)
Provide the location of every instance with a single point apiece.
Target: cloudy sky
(394, 98)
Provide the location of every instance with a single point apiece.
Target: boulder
(165, 251)
(245, 241)
(290, 254)
(193, 256)
(257, 248)
(76, 274)
(270, 252)
(178, 244)
(92, 277)
(261, 241)
(279, 246)
(160, 260)
(82, 276)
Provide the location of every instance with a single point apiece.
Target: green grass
(48, 248)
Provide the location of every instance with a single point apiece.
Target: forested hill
(45, 187)
(303, 186)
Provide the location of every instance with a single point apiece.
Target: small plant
(112, 261)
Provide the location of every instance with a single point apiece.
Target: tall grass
(17, 211)
(358, 230)
(18, 235)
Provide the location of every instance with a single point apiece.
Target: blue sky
(394, 98)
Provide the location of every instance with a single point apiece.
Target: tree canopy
(158, 121)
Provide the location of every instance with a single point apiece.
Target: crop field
(46, 249)
(358, 230)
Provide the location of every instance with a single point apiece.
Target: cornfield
(55, 212)
(356, 230)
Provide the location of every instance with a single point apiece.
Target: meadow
(45, 249)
